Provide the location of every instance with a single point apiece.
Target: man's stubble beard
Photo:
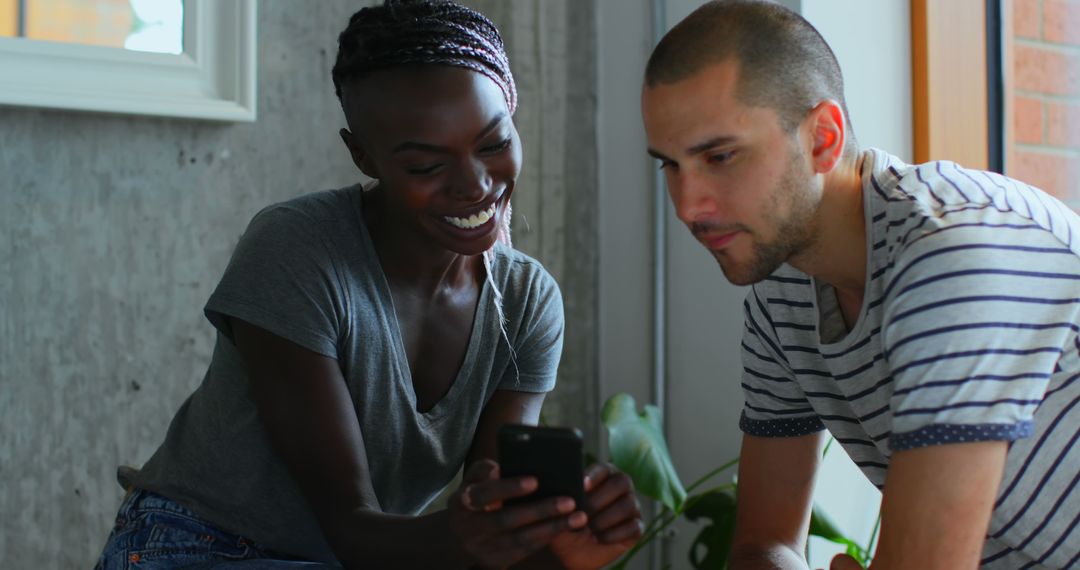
(794, 233)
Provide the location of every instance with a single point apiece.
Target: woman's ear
(360, 157)
(829, 134)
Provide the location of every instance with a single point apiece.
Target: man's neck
(837, 254)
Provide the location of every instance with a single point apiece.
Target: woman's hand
(615, 522)
(844, 562)
(497, 536)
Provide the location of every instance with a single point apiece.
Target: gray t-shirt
(306, 270)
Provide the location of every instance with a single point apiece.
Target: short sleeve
(775, 405)
(538, 346)
(976, 319)
(282, 278)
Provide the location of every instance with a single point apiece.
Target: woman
(372, 340)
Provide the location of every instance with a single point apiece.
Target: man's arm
(937, 506)
(776, 486)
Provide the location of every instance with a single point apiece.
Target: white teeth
(474, 221)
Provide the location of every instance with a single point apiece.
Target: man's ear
(829, 133)
(360, 157)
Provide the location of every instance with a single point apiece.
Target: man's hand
(614, 521)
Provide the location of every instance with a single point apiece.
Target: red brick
(1061, 21)
(1048, 71)
(1026, 19)
(1056, 174)
(1063, 124)
(1027, 120)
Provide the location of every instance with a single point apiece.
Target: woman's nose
(474, 183)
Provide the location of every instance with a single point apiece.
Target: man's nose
(693, 197)
(474, 183)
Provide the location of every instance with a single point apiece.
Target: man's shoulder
(950, 202)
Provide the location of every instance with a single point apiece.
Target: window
(189, 58)
(997, 86)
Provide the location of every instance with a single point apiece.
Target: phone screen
(551, 454)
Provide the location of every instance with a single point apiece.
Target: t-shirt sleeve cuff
(219, 309)
(938, 434)
(527, 383)
(783, 427)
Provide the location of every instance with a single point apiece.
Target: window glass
(140, 25)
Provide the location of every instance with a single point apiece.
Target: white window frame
(214, 78)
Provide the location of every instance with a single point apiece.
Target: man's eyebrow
(713, 142)
(657, 155)
(425, 147)
(697, 148)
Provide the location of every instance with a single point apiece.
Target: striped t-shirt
(968, 332)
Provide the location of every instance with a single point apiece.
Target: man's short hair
(783, 62)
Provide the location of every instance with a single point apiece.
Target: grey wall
(552, 52)
(114, 230)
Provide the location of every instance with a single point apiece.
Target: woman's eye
(424, 170)
(497, 147)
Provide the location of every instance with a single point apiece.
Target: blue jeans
(153, 532)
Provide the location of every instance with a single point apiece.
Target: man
(926, 315)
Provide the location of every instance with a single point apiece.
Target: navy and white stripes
(968, 332)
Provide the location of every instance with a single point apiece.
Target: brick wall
(1044, 142)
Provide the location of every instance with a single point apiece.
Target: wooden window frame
(959, 109)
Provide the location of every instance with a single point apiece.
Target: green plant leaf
(637, 446)
(823, 526)
(712, 545)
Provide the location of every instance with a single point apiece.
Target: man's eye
(497, 147)
(668, 164)
(424, 170)
(721, 157)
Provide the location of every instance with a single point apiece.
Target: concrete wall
(114, 230)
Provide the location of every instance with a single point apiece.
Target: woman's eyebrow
(427, 147)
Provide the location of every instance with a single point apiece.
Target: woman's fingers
(482, 470)
(629, 530)
(606, 486)
(614, 509)
(489, 495)
(540, 533)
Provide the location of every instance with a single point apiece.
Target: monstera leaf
(713, 543)
(637, 446)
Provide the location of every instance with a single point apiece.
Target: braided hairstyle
(439, 32)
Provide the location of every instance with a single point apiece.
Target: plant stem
(711, 474)
(828, 444)
(659, 516)
(650, 533)
(873, 538)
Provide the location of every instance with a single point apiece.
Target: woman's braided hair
(401, 32)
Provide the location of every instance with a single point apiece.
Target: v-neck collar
(404, 377)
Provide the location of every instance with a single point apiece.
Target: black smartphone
(551, 454)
